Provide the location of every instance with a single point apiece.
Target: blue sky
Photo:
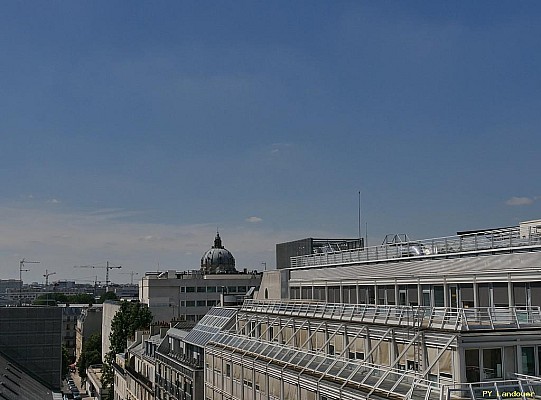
(132, 130)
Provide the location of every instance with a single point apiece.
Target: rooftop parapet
(496, 240)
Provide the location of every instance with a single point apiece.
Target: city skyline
(132, 131)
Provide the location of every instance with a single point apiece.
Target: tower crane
(21, 270)
(107, 268)
(47, 275)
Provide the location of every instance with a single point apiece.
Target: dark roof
(16, 384)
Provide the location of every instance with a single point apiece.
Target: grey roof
(481, 264)
(16, 384)
(212, 323)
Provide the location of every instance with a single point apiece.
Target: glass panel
(472, 365)
(439, 300)
(528, 361)
(492, 363)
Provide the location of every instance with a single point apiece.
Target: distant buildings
(188, 295)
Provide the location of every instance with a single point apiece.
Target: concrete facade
(189, 295)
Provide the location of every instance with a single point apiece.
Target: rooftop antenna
(360, 234)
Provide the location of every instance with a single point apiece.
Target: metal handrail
(426, 248)
(448, 318)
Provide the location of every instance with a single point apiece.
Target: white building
(455, 317)
(189, 295)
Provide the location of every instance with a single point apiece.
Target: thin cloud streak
(61, 240)
(519, 201)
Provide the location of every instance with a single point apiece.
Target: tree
(90, 355)
(130, 317)
(66, 360)
(81, 298)
(50, 299)
(108, 296)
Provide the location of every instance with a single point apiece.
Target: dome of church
(218, 260)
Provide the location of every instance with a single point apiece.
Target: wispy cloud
(60, 240)
(519, 201)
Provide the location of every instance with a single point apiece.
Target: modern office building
(455, 317)
(189, 295)
(16, 384)
(31, 338)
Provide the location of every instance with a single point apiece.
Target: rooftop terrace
(401, 247)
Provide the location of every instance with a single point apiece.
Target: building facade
(456, 317)
(88, 323)
(189, 295)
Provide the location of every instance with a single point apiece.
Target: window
(528, 360)
(492, 363)
(201, 289)
(211, 289)
(228, 370)
(472, 365)
(190, 289)
(201, 303)
(190, 303)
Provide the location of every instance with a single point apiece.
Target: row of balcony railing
(479, 318)
(428, 248)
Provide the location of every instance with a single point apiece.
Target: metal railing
(457, 319)
(428, 248)
(371, 380)
(523, 387)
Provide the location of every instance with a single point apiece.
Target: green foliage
(81, 298)
(66, 360)
(51, 299)
(127, 320)
(90, 355)
(108, 296)
(130, 317)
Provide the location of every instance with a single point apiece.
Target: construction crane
(131, 273)
(21, 270)
(47, 275)
(107, 268)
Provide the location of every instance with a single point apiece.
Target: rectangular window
(472, 365)
(492, 363)
(439, 300)
(190, 303)
(211, 289)
(528, 360)
(201, 303)
(190, 289)
(201, 289)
